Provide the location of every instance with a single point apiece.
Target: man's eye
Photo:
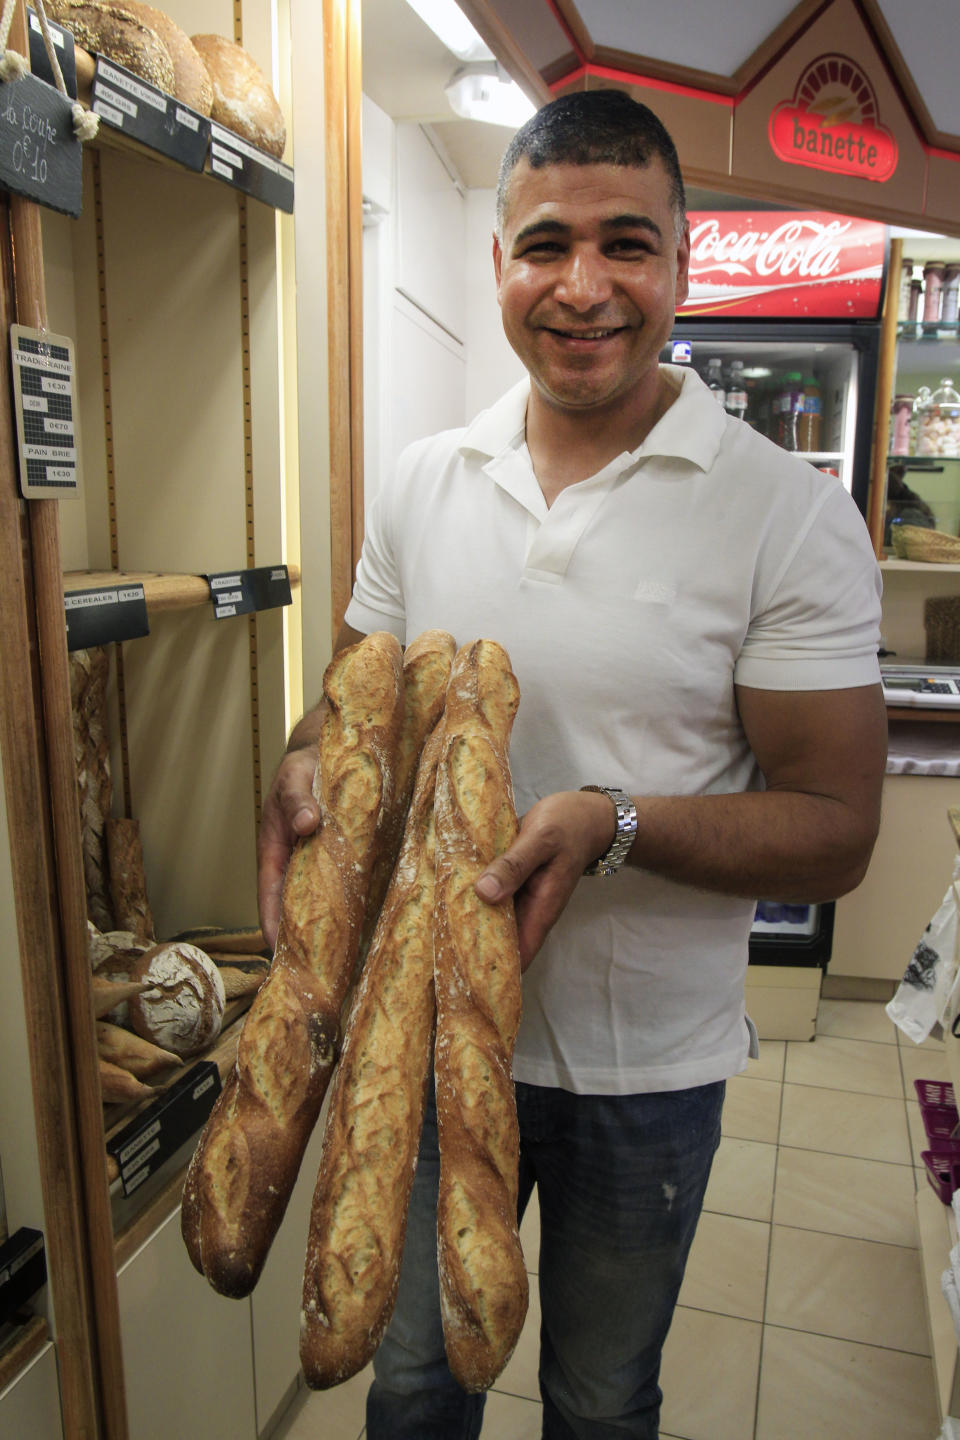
(627, 247)
(541, 248)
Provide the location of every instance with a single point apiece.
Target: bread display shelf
(161, 591)
(17, 1355)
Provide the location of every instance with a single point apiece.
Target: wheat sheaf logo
(833, 123)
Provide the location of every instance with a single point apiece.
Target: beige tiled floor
(802, 1311)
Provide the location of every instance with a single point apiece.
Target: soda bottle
(809, 417)
(791, 402)
(736, 400)
(715, 380)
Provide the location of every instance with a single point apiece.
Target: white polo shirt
(706, 557)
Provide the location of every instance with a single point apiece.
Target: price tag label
(239, 592)
(65, 52)
(40, 157)
(154, 1135)
(127, 103)
(249, 169)
(45, 402)
(100, 617)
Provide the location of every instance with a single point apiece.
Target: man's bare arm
(807, 836)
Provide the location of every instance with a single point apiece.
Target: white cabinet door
(31, 1405)
(187, 1352)
(429, 379)
(431, 232)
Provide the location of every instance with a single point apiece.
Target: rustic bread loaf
(191, 80)
(243, 1171)
(359, 1213)
(113, 30)
(483, 1282)
(183, 1009)
(242, 98)
(128, 883)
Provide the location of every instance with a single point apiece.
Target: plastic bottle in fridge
(809, 416)
(736, 400)
(715, 380)
(790, 403)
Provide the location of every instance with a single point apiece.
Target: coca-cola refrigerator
(783, 321)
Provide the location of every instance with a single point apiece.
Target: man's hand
(289, 812)
(559, 837)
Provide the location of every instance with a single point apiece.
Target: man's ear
(683, 265)
(497, 261)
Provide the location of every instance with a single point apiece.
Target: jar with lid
(916, 295)
(949, 295)
(938, 422)
(901, 413)
(906, 277)
(932, 285)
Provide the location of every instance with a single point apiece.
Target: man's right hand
(289, 812)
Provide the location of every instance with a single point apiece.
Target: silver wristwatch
(611, 860)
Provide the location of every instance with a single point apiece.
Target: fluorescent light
(451, 26)
(484, 91)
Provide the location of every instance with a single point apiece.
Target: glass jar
(949, 295)
(938, 422)
(901, 412)
(932, 285)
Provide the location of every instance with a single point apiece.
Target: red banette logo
(789, 263)
(833, 123)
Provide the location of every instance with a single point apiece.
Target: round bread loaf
(115, 31)
(183, 1009)
(103, 944)
(191, 81)
(242, 98)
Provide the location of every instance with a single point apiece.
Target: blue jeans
(620, 1181)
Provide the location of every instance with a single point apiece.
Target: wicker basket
(941, 621)
(933, 546)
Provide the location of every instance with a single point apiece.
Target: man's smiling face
(590, 271)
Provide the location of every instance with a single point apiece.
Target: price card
(158, 1132)
(40, 156)
(239, 592)
(127, 103)
(45, 403)
(249, 169)
(100, 617)
(65, 52)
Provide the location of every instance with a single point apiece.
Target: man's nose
(585, 281)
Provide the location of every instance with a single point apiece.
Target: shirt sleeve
(377, 600)
(818, 627)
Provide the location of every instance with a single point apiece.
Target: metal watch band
(610, 862)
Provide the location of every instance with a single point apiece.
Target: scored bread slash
(483, 1281)
(244, 1168)
(359, 1213)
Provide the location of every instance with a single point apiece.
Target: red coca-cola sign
(794, 264)
(833, 123)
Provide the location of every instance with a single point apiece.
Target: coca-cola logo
(801, 246)
(833, 123)
(784, 262)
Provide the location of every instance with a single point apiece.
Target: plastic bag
(929, 990)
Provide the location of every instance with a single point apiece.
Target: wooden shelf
(929, 567)
(161, 591)
(17, 1356)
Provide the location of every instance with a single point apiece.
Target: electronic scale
(937, 686)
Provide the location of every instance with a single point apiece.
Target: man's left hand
(559, 837)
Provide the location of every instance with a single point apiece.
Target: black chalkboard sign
(100, 617)
(39, 153)
(239, 592)
(249, 169)
(127, 103)
(158, 1131)
(65, 53)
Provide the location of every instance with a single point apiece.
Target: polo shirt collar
(690, 430)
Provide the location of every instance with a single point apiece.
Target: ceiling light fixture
(484, 91)
(451, 26)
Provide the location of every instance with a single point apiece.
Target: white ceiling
(405, 67)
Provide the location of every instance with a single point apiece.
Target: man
(693, 619)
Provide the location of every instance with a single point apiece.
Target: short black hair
(593, 127)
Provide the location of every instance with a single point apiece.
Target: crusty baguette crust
(426, 674)
(359, 1215)
(483, 1281)
(142, 1058)
(243, 1171)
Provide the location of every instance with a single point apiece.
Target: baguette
(109, 994)
(359, 1214)
(426, 674)
(483, 1282)
(118, 1086)
(244, 1168)
(142, 1058)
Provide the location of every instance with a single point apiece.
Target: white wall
(492, 367)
